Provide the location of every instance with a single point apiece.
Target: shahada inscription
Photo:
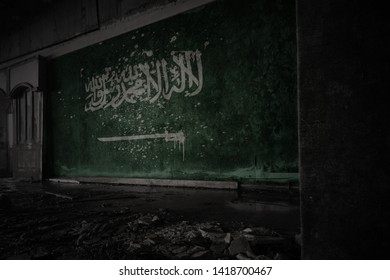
(182, 72)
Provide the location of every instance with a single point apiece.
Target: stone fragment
(60, 195)
(247, 230)
(242, 257)
(190, 235)
(199, 254)
(134, 246)
(191, 252)
(147, 220)
(239, 245)
(148, 242)
(228, 238)
(144, 221)
(179, 250)
(213, 236)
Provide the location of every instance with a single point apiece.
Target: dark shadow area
(54, 221)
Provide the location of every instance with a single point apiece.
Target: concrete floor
(60, 208)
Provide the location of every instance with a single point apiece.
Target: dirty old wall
(35, 28)
(344, 129)
(208, 94)
(110, 11)
(54, 22)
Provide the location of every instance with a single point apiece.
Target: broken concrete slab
(239, 245)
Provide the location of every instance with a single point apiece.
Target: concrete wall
(55, 28)
(58, 22)
(61, 21)
(65, 26)
(110, 11)
(231, 114)
(344, 129)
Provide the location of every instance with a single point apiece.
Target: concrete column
(344, 125)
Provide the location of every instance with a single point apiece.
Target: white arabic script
(146, 82)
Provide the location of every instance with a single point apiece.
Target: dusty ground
(64, 221)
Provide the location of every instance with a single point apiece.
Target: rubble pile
(57, 228)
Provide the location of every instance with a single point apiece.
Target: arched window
(27, 115)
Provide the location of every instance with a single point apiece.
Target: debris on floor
(47, 226)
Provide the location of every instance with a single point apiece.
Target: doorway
(27, 124)
(5, 135)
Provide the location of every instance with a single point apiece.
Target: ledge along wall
(207, 94)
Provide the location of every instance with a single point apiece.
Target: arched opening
(27, 124)
(6, 135)
(26, 105)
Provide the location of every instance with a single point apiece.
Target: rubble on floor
(52, 227)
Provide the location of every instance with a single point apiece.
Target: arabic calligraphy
(146, 82)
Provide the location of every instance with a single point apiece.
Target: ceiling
(12, 12)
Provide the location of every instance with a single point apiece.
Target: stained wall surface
(344, 129)
(208, 94)
(51, 24)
